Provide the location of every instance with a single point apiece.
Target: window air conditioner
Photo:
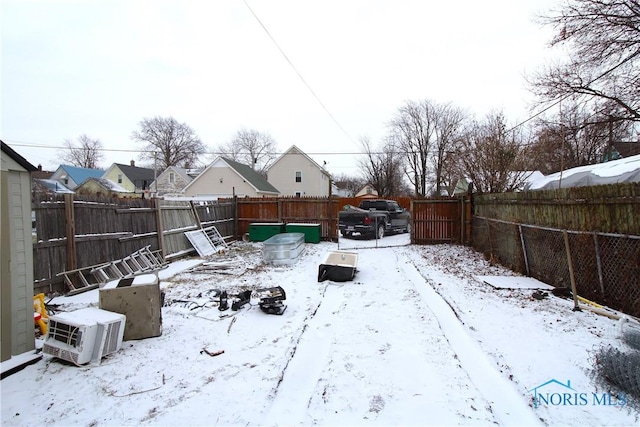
(85, 335)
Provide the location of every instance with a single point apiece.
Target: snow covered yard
(415, 339)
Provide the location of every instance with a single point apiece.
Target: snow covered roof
(105, 183)
(53, 186)
(612, 172)
(78, 174)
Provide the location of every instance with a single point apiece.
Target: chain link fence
(605, 266)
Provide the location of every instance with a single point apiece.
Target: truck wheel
(380, 234)
(408, 228)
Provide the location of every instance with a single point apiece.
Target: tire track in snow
(305, 366)
(507, 404)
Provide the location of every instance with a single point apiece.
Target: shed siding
(21, 262)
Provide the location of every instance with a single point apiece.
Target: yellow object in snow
(39, 308)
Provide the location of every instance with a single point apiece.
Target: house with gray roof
(171, 181)
(227, 178)
(132, 178)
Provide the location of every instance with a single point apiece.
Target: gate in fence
(443, 220)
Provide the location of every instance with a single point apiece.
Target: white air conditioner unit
(85, 335)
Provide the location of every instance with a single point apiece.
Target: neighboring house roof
(161, 184)
(194, 172)
(137, 175)
(367, 191)
(41, 174)
(184, 173)
(252, 177)
(78, 175)
(295, 150)
(53, 186)
(106, 184)
(17, 157)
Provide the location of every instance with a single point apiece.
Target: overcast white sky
(99, 67)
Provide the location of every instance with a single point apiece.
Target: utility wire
(219, 153)
(297, 72)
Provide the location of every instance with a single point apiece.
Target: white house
(296, 174)
(227, 178)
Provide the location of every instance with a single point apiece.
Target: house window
(297, 194)
(119, 178)
(369, 190)
(298, 176)
(172, 177)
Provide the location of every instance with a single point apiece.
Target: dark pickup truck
(374, 218)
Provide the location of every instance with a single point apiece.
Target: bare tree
(448, 134)
(252, 148)
(166, 142)
(85, 153)
(603, 37)
(493, 158)
(425, 133)
(349, 183)
(382, 169)
(413, 130)
(576, 136)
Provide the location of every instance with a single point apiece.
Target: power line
(219, 153)
(297, 72)
(603, 74)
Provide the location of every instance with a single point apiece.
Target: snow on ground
(415, 339)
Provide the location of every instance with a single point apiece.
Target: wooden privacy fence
(75, 232)
(434, 220)
(323, 211)
(586, 236)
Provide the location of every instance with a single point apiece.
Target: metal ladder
(83, 279)
(139, 262)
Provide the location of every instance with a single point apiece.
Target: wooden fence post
(524, 250)
(160, 228)
(462, 219)
(574, 291)
(195, 214)
(70, 217)
(236, 231)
